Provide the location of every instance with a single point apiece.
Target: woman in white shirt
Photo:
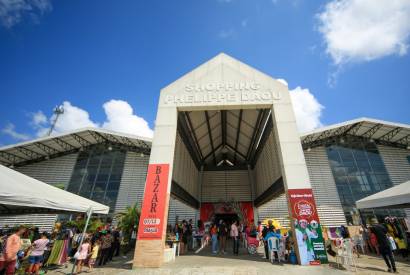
(235, 237)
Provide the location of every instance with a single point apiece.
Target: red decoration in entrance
(244, 210)
(151, 225)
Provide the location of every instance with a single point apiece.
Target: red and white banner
(307, 227)
(152, 222)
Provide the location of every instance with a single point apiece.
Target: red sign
(303, 204)
(151, 223)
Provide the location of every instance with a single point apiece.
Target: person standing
(36, 256)
(214, 238)
(116, 243)
(13, 245)
(235, 237)
(265, 232)
(223, 232)
(94, 255)
(106, 241)
(384, 247)
(83, 254)
(190, 235)
(185, 236)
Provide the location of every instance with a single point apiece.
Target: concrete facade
(222, 83)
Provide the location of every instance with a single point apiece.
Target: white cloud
(39, 118)
(13, 11)
(307, 109)
(281, 80)
(9, 129)
(121, 118)
(72, 118)
(364, 30)
(226, 33)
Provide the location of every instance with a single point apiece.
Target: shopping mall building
(227, 135)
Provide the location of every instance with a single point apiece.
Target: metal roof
(225, 138)
(65, 143)
(381, 132)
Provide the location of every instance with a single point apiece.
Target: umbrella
(275, 223)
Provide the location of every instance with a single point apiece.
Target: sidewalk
(205, 263)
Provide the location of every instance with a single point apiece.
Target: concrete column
(294, 172)
(150, 252)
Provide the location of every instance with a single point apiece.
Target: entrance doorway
(227, 218)
(225, 134)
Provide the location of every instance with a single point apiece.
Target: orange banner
(152, 222)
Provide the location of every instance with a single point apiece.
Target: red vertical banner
(307, 227)
(152, 222)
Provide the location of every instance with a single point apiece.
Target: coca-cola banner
(307, 227)
(151, 223)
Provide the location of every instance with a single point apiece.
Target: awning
(21, 194)
(395, 197)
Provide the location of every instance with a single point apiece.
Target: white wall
(183, 211)
(267, 169)
(133, 178)
(226, 186)
(185, 172)
(324, 189)
(397, 165)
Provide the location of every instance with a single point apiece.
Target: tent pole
(89, 213)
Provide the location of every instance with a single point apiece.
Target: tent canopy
(395, 197)
(21, 194)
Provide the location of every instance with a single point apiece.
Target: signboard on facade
(152, 222)
(224, 92)
(307, 227)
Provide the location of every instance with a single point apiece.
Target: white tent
(21, 194)
(395, 197)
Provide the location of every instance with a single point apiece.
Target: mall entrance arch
(225, 142)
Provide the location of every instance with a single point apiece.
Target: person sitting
(273, 234)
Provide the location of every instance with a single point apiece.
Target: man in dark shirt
(384, 247)
(265, 231)
(190, 236)
(222, 232)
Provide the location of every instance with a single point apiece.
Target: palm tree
(128, 221)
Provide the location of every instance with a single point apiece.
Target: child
(36, 255)
(94, 255)
(82, 255)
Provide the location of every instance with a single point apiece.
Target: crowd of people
(388, 240)
(28, 250)
(218, 233)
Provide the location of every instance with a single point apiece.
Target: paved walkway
(205, 263)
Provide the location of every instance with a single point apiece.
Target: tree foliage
(128, 220)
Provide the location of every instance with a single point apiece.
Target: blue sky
(107, 60)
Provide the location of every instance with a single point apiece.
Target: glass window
(359, 171)
(97, 174)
